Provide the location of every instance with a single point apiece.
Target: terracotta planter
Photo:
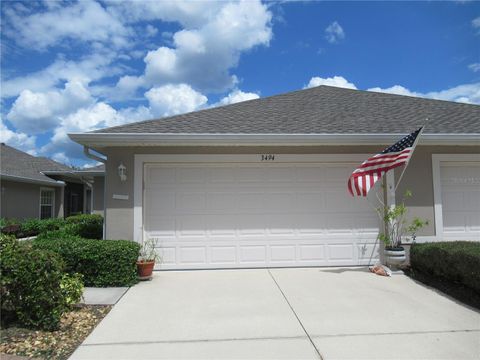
(145, 269)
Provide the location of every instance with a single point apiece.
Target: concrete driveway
(309, 313)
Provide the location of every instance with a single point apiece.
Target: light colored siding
(22, 200)
(418, 177)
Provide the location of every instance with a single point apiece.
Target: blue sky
(81, 66)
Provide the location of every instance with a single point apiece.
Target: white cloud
(174, 99)
(205, 51)
(150, 30)
(37, 112)
(85, 21)
(237, 96)
(187, 13)
(476, 23)
(90, 118)
(337, 81)
(334, 33)
(474, 67)
(466, 93)
(17, 140)
(87, 69)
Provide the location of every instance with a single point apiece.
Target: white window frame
(437, 160)
(142, 159)
(52, 190)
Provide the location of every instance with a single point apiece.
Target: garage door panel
(226, 255)
(282, 253)
(250, 201)
(166, 205)
(253, 254)
(240, 215)
(222, 226)
(460, 194)
(250, 174)
(188, 202)
(472, 201)
(191, 226)
(161, 226)
(221, 175)
(312, 252)
(281, 225)
(280, 174)
(160, 175)
(310, 201)
(193, 255)
(224, 201)
(340, 252)
(191, 175)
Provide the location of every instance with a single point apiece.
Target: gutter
(100, 140)
(56, 183)
(86, 151)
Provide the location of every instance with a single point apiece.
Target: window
(47, 199)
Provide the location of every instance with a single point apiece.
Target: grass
(75, 326)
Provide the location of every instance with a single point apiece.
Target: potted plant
(398, 228)
(146, 260)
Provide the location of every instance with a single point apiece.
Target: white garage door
(460, 185)
(256, 215)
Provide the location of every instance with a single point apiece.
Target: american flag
(366, 175)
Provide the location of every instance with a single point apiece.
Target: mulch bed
(75, 326)
(457, 291)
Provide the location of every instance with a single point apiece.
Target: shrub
(72, 288)
(457, 261)
(101, 262)
(89, 226)
(30, 285)
(32, 227)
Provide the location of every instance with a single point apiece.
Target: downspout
(86, 151)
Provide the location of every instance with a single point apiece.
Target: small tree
(397, 225)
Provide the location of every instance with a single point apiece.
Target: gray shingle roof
(20, 164)
(320, 110)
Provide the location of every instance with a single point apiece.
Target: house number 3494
(268, 157)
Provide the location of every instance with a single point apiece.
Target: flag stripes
(371, 170)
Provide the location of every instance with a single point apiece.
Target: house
(263, 183)
(37, 187)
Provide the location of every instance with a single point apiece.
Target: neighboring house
(37, 187)
(264, 182)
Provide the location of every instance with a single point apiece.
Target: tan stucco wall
(417, 178)
(22, 200)
(98, 194)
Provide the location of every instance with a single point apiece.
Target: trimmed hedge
(31, 291)
(89, 226)
(456, 261)
(101, 262)
(36, 226)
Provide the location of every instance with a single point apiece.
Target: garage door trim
(437, 160)
(142, 159)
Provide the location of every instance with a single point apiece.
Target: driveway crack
(294, 313)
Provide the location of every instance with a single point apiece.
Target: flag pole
(413, 149)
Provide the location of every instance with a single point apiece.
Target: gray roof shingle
(319, 110)
(20, 164)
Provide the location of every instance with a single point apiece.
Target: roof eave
(32, 181)
(101, 140)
